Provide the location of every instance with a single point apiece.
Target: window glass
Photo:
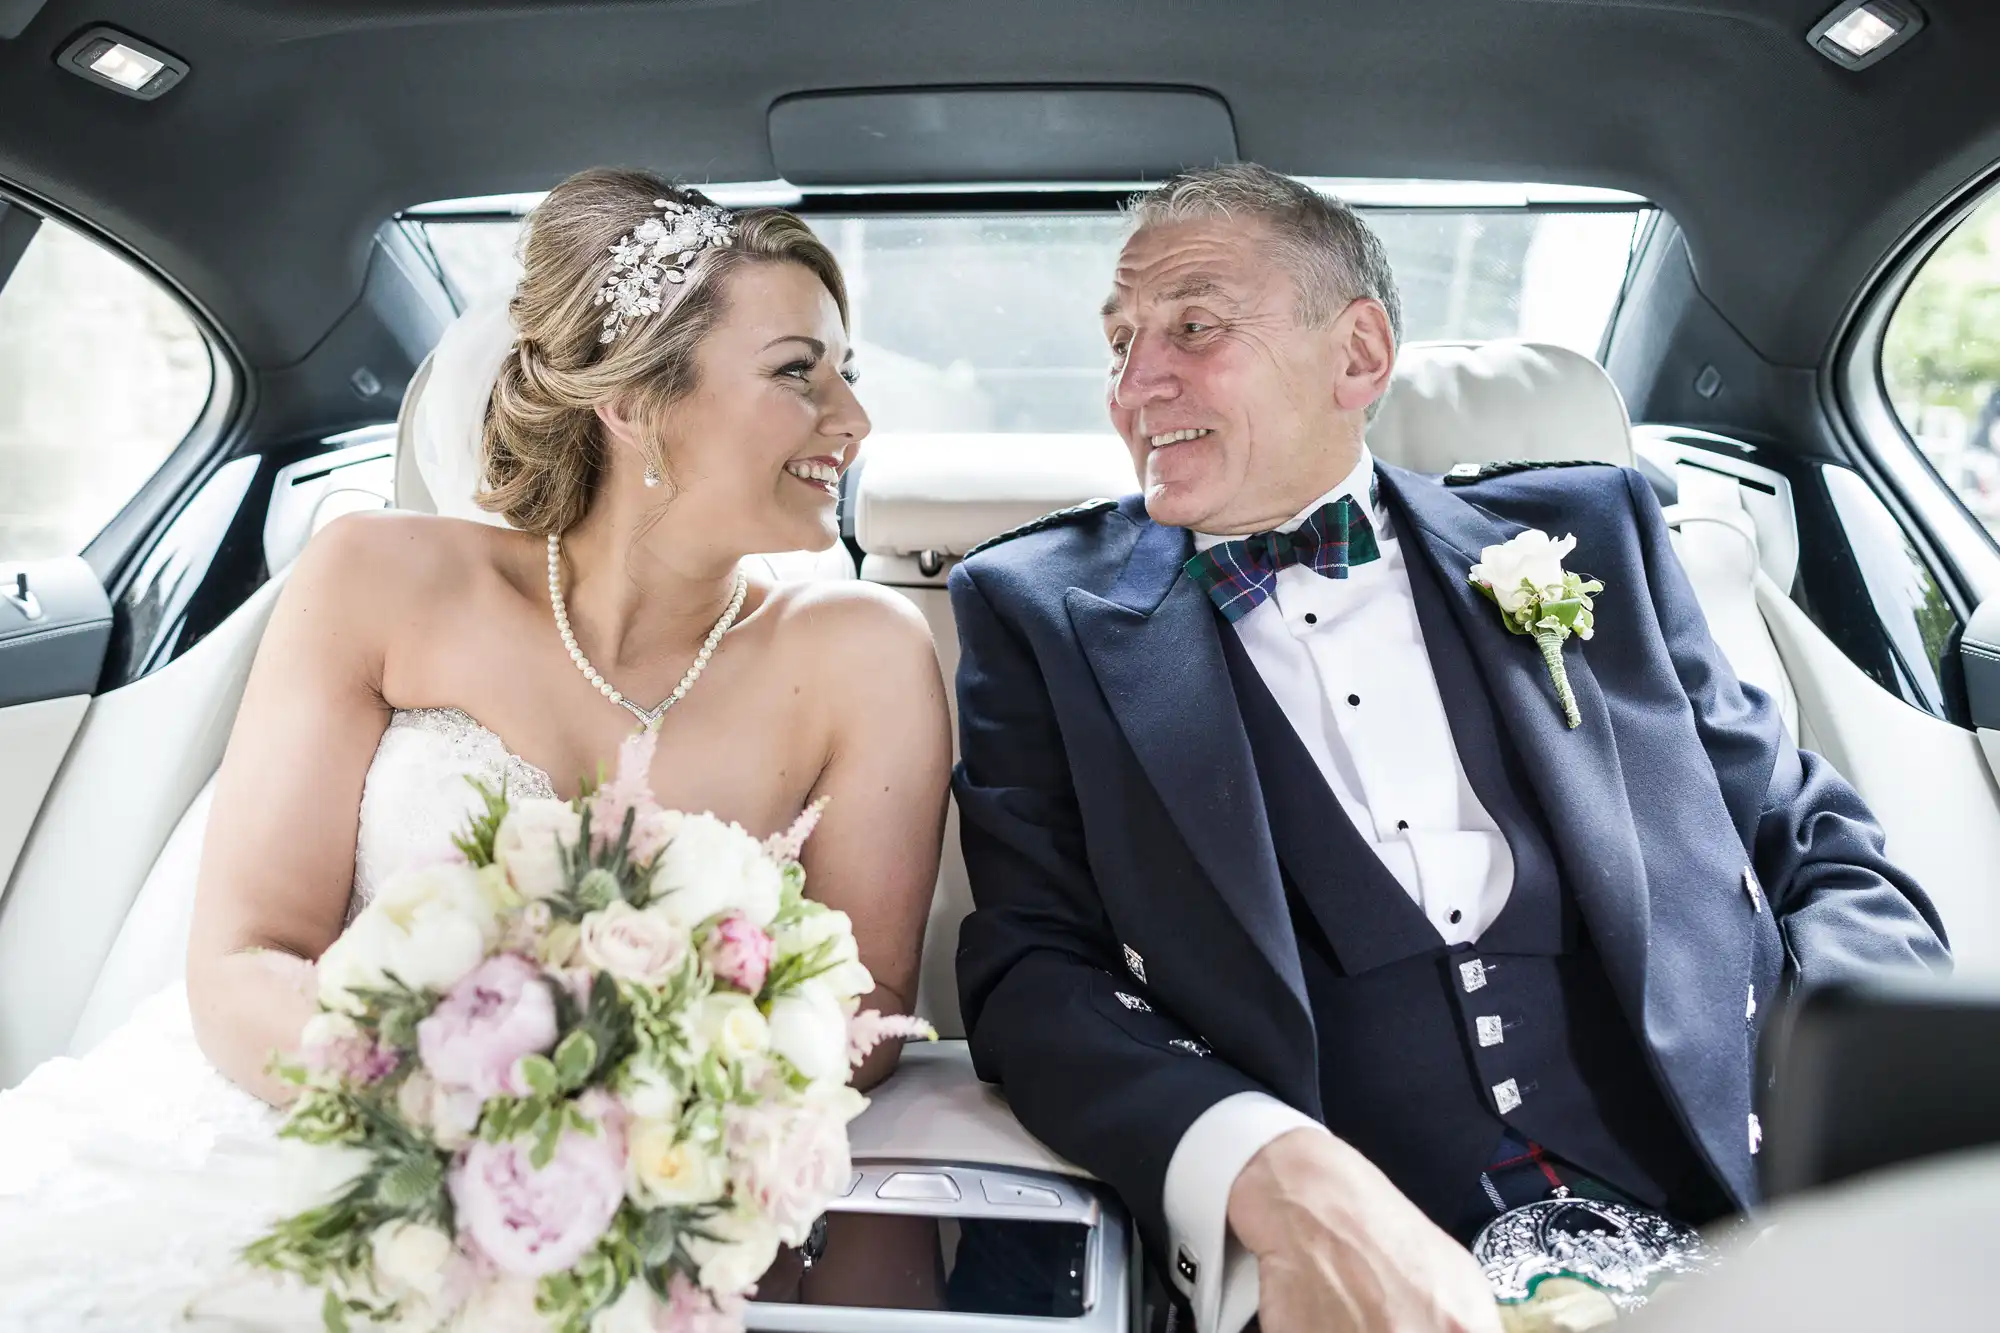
(102, 373)
(988, 322)
(1941, 361)
(1919, 623)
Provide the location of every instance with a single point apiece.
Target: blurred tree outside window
(1941, 361)
(102, 373)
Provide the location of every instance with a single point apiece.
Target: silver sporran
(1625, 1252)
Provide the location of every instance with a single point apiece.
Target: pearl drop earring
(652, 477)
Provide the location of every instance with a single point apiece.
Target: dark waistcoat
(1428, 1053)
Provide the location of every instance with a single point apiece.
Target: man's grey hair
(1334, 256)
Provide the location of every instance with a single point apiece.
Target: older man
(1310, 914)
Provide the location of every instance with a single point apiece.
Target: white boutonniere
(1538, 597)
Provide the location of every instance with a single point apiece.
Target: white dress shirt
(1345, 660)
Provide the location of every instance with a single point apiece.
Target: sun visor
(16, 15)
(936, 136)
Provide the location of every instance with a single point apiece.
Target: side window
(1941, 361)
(102, 373)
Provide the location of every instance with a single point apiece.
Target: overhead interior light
(120, 61)
(1855, 36)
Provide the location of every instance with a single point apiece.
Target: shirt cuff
(1207, 1263)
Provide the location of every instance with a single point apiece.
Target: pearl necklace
(648, 717)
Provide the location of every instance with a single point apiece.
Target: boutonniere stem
(1537, 597)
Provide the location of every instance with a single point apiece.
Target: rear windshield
(987, 322)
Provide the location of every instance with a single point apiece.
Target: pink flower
(531, 1223)
(786, 846)
(689, 1309)
(789, 1162)
(501, 1011)
(738, 952)
(630, 789)
(335, 1047)
(871, 1027)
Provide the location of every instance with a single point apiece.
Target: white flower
(1533, 559)
(832, 928)
(448, 1114)
(635, 1311)
(649, 1092)
(427, 928)
(744, 1247)
(809, 1028)
(413, 1257)
(645, 947)
(730, 1025)
(667, 1171)
(790, 1161)
(530, 841)
(710, 868)
(504, 1305)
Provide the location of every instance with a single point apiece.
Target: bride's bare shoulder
(845, 623)
(394, 561)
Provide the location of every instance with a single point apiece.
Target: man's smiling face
(1236, 414)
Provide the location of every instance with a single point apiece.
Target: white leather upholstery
(1478, 402)
(948, 493)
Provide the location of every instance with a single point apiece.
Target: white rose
(1533, 557)
(665, 1171)
(636, 1310)
(746, 1244)
(809, 1028)
(449, 1114)
(645, 947)
(648, 1092)
(529, 843)
(413, 1257)
(820, 925)
(710, 868)
(428, 927)
(504, 1305)
(730, 1025)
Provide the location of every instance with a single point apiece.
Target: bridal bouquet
(586, 1077)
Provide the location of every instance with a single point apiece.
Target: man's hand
(1340, 1250)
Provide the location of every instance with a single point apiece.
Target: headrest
(1481, 402)
(1450, 403)
(948, 493)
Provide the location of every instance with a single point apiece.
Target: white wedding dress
(130, 1178)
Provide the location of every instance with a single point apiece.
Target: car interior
(293, 178)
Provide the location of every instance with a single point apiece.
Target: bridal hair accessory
(1538, 597)
(589, 1075)
(649, 718)
(658, 250)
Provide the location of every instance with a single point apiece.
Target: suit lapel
(1154, 646)
(1576, 773)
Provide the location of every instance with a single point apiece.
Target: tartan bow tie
(1239, 575)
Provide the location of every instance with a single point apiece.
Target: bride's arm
(278, 860)
(875, 853)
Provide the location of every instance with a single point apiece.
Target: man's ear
(1362, 334)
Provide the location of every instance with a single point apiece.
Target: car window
(988, 322)
(1941, 361)
(102, 373)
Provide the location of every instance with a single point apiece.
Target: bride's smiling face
(755, 453)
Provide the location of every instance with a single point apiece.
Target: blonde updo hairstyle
(544, 451)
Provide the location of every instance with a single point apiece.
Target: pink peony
(738, 952)
(789, 1162)
(335, 1047)
(501, 1011)
(531, 1223)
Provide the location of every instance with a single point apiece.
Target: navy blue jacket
(1109, 802)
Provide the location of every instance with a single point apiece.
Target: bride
(654, 423)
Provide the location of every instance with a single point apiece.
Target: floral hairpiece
(658, 250)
